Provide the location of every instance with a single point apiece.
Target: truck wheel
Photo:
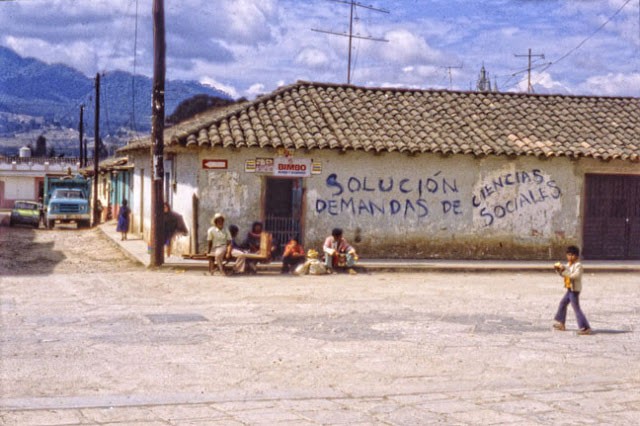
(51, 223)
(10, 222)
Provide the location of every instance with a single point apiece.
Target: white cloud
(255, 90)
(79, 55)
(405, 47)
(542, 82)
(249, 21)
(218, 85)
(613, 84)
(311, 57)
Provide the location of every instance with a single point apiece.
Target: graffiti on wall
(389, 196)
(507, 194)
(492, 199)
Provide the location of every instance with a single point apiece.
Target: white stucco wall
(395, 205)
(434, 206)
(20, 187)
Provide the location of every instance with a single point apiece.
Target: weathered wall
(429, 206)
(232, 192)
(394, 205)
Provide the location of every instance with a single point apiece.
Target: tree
(197, 104)
(41, 147)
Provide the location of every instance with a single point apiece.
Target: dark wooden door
(612, 217)
(283, 209)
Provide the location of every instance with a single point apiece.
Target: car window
(67, 194)
(25, 206)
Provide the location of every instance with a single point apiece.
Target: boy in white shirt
(572, 274)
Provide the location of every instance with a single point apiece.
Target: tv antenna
(530, 55)
(353, 4)
(449, 68)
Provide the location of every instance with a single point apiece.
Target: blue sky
(250, 47)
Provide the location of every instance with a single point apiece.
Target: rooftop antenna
(529, 55)
(353, 4)
(449, 68)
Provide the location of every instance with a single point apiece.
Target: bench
(262, 256)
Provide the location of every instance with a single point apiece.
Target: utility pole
(353, 4)
(81, 131)
(157, 137)
(529, 55)
(86, 154)
(96, 155)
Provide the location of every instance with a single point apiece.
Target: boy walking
(572, 274)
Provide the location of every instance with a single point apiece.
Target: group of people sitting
(222, 246)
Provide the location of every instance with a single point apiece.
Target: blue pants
(572, 297)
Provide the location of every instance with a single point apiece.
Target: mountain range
(36, 95)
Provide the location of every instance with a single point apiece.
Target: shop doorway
(283, 209)
(612, 217)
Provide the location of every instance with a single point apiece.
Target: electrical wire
(579, 45)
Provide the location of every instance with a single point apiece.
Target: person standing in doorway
(123, 220)
(572, 275)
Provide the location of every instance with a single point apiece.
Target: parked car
(26, 212)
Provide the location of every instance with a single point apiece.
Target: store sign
(292, 167)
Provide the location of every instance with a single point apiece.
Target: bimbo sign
(287, 166)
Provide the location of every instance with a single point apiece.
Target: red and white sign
(214, 164)
(292, 167)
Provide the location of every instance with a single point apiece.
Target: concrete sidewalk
(136, 249)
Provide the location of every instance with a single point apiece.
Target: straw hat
(216, 217)
(312, 254)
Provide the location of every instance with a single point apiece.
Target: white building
(22, 178)
(409, 173)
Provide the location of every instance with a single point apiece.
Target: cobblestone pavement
(137, 347)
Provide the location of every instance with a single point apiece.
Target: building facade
(22, 178)
(409, 173)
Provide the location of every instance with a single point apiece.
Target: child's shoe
(584, 331)
(558, 326)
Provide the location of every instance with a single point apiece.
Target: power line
(579, 45)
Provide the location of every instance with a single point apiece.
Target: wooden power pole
(81, 131)
(157, 137)
(96, 155)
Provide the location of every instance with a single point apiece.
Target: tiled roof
(342, 117)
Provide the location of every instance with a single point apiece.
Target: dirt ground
(88, 337)
(64, 249)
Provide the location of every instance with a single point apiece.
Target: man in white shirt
(218, 241)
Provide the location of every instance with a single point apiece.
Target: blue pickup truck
(67, 199)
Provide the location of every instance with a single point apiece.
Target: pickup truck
(67, 200)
